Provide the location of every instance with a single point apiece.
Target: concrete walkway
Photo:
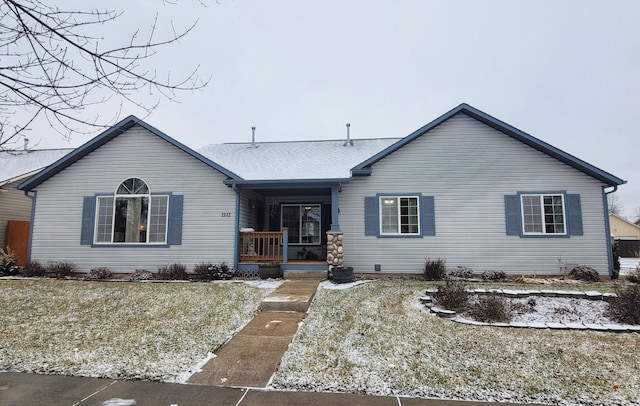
(252, 356)
(57, 390)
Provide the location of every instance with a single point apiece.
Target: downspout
(607, 226)
(335, 209)
(31, 218)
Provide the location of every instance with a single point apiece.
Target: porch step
(306, 273)
(294, 295)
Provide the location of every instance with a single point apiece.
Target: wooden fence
(18, 239)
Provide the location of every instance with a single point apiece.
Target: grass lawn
(376, 338)
(155, 331)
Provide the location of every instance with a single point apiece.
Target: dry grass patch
(118, 330)
(375, 338)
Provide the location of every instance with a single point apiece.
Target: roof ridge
(301, 141)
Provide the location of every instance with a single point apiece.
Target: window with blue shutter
(132, 217)
(411, 215)
(546, 214)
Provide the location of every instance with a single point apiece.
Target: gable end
(364, 168)
(104, 138)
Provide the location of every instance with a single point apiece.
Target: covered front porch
(285, 224)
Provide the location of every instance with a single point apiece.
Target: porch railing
(263, 246)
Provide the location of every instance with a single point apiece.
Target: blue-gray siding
(469, 168)
(207, 234)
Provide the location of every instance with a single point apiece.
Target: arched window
(132, 215)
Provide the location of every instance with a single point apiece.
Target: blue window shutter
(371, 218)
(176, 204)
(574, 215)
(428, 215)
(88, 220)
(512, 214)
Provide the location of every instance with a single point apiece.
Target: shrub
(626, 307)
(101, 272)
(634, 276)
(615, 248)
(32, 269)
(462, 272)
(523, 308)
(202, 271)
(493, 276)
(584, 273)
(172, 272)
(61, 269)
(141, 275)
(490, 309)
(207, 271)
(8, 261)
(453, 296)
(435, 270)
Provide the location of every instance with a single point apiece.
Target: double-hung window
(399, 215)
(543, 214)
(132, 215)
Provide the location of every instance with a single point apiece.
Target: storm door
(304, 223)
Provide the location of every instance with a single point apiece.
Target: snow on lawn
(156, 331)
(374, 339)
(628, 265)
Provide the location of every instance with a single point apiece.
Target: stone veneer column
(335, 250)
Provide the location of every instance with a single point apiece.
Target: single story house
(627, 234)
(15, 207)
(466, 187)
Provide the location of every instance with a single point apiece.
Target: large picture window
(543, 214)
(399, 215)
(132, 215)
(304, 223)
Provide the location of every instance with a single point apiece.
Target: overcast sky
(566, 72)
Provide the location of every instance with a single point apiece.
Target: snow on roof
(16, 165)
(294, 160)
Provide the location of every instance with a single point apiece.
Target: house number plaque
(226, 214)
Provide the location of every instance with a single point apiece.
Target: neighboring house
(622, 228)
(627, 234)
(15, 207)
(466, 187)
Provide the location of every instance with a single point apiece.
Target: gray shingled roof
(294, 160)
(15, 165)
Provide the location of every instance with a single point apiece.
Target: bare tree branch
(615, 207)
(52, 66)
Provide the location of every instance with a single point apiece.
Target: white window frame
(398, 216)
(113, 199)
(543, 222)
